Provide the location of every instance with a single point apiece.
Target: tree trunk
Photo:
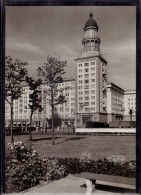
(11, 126)
(30, 132)
(52, 106)
(130, 120)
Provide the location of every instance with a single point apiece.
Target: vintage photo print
(70, 99)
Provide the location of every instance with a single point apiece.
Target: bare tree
(34, 98)
(52, 72)
(15, 73)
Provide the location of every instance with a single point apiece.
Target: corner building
(130, 105)
(91, 78)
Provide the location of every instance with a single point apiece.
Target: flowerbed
(25, 169)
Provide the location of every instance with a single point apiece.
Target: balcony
(104, 88)
(103, 72)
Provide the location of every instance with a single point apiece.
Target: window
(93, 80)
(80, 65)
(86, 87)
(92, 103)
(80, 92)
(92, 74)
(80, 76)
(93, 97)
(80, 98)
(87, 98)
(80, 87)
(86, 64)
(86, 92)
(93, 68)
(80, 81)
(44, 111)
(20, 105)
(93, 91)
(86, 75)
(73, 93)
(86, 81)
(80, 70)
(66, 94)
(67, 110)
(86, 103)
(86, 70)
(93, 86)
(92, 63)
(86, 109)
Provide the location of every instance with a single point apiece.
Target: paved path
(70, 184)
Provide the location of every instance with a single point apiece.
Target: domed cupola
(91, 41)
(91, 23)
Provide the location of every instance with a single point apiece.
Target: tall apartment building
(91, 77)
(130, 105)
(115, 103)
(66, 110)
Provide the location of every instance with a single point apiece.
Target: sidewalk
(70, 184)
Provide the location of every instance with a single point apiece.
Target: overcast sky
(32, 33)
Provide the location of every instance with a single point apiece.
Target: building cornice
(90, 55)
(113, 86)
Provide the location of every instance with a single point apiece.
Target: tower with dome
(91, 77)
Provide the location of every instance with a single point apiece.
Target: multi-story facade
(65, 110)
(91, 77)
(130, 105)
(115, 103)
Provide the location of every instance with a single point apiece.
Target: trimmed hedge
(104, 166)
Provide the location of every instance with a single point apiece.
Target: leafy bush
(20, 151)
(23, 175)
(73, 165)
(126, 169)
(25, 169)
(54, 170)
(116, 159)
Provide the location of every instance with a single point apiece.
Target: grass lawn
(75, 145)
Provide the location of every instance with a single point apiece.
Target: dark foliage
(74, 165)
(25, 169)
(57, 121)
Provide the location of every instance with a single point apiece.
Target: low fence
(23, 131)
(106, 130)
(122, 124)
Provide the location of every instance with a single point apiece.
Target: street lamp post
(131, 112)
(90, 113)
(81, 106)
(78, 120)
(122, 115)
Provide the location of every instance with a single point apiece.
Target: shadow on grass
(45, 138)
(71, 138)
(113, 189)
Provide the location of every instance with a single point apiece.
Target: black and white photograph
(70, 99)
